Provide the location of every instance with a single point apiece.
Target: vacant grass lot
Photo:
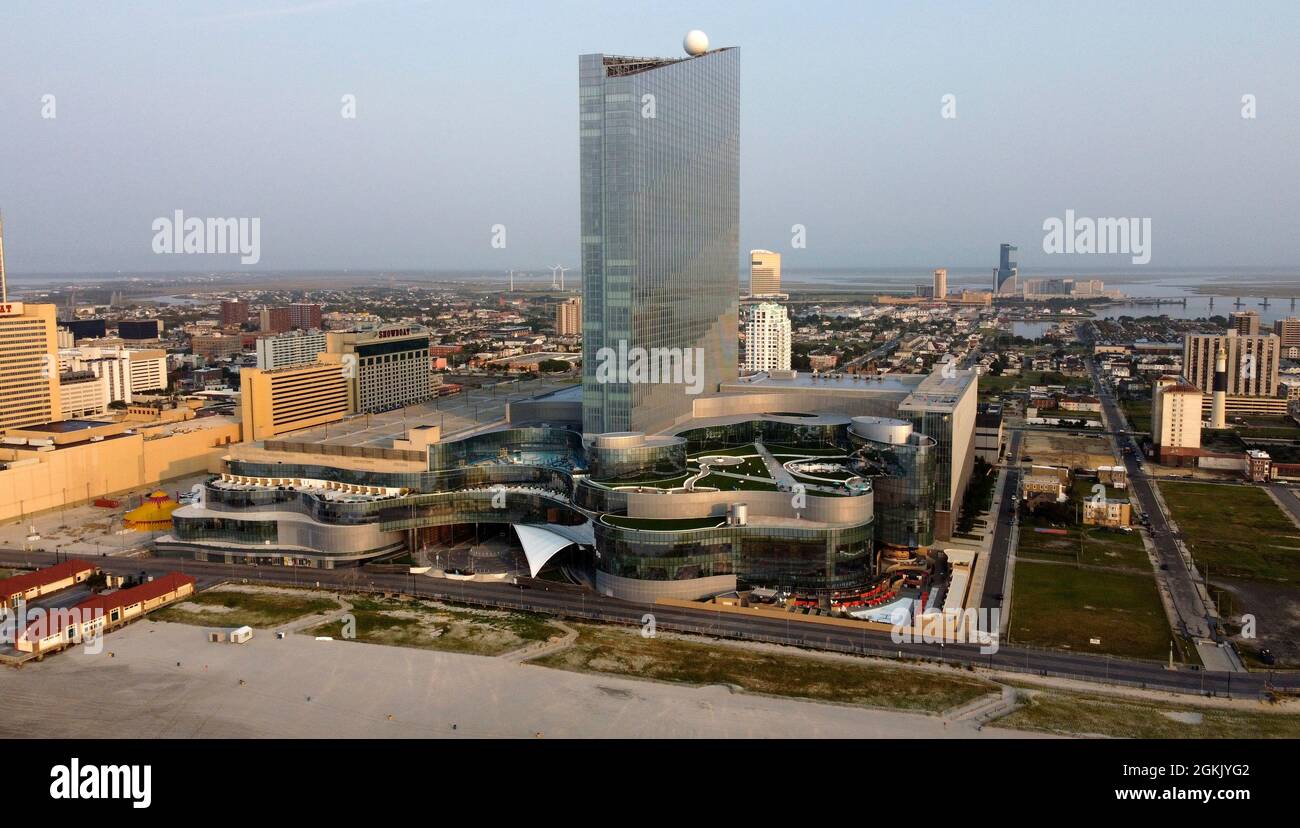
(1063, 606)
(1138, 414)
(1100, 547)
(231, 608)
(989, 384)
(624, 652)
(1082, 714)
(1083, 487)
(1283, 428)
(434, 626)
(1238, 531)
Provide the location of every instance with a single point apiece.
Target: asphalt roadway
(572, 602)
(1178, 580)
(1000, 551)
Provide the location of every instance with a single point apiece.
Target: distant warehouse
(59, 628)
(32, 585)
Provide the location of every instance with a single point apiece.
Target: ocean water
(1207, 291)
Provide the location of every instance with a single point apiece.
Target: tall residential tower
(767, 338)
(941, 283)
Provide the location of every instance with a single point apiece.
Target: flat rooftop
(67, 426)
(882, 383)
(470, 411)
(939, 392)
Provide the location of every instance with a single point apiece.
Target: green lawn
(1082, 487)
(1238, 531)
(1283, 428)
(791, 452)
(736, 451)
(989, 384)
(753, 466)
(1138, 414)
(625, 652)
(1100, 547)
(657, 482)
(1063, 606)
(724, 483)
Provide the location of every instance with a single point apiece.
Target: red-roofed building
(31, 585)
(58, 628)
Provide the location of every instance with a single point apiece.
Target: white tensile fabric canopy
(540, 545)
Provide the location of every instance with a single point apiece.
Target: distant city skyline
(465, 121)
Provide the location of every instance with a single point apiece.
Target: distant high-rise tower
(1245, 323)
(659, 163)
(4, 281)
(941, 283)
(234, 312)
(305, 315)
(1004, 281)
(767, 338)
(1252, 362)
(568, 317)
(29, 359)
(764, 273)
(1288, 330)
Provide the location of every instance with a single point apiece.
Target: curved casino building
(815, 505)
(711, 509)
(314, 505)
(687, 515)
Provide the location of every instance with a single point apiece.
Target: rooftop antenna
(4, 284)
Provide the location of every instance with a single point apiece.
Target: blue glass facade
(903, 482)
(659, 460)
(780, 557)
(659, 164)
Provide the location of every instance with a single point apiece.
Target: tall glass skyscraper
(659, 160)
(1005, 279)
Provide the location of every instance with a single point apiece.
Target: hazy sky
(467, 117)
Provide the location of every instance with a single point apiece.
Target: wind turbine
(562, 270)
(512, 280)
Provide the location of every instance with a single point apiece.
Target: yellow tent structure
(154, 515)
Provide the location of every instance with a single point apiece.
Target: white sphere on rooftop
(695, 43)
